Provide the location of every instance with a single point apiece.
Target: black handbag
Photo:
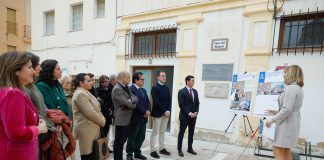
(100, 147)
(43, 137)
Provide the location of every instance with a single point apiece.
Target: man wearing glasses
(136, 136)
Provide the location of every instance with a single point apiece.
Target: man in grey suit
(124, 102)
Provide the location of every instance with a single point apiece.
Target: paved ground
(203, 148)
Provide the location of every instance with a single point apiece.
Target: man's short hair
(102, 78)
(159, 72)
(136, 76)
(188, 78)
(122, 74)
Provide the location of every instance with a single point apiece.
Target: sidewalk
(203, 148)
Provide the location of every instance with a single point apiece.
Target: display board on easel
(270, 86)
(241, 93)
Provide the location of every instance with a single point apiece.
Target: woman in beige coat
(287, 118)
(87, 116)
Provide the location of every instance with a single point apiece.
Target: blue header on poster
(261, 77)
(235, 78)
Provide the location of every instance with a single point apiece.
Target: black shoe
(110, 151)
(155, 155)
(130, 157)
(180, 153)
(140, 156)
(165, 152)
(192, 151)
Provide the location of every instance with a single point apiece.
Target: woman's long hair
(10, 64)
(35, 61)
(46, 74)
(294, 74)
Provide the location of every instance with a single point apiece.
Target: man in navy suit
(189, 107)
(136, 136)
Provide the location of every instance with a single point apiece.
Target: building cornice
(202, 7)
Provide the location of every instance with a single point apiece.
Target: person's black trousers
(90, 156)
(136, 137)
(105, 129)
(120, 139)
(190, 122)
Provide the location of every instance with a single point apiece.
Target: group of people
(132, 108)
(42, 114)
(36, 120)
(38, 108)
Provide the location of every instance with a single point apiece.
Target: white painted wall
(312, 110)
(214, 113)
(90, 50)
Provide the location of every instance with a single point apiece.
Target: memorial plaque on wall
(216, 90)
(217, 72)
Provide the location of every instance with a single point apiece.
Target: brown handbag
(100, 147)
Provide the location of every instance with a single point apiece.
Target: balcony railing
(27, 31)
(12, 27)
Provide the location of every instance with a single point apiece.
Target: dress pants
(136, 137)
(159, 127)
(190, 122)
(120, 139)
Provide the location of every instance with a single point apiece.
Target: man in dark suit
(189, 107)
(139, 119)
(124, 102)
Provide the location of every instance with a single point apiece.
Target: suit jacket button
(58, 98)
(58, 107)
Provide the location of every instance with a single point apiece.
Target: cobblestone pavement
(203, 148)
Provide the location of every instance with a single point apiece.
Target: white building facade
(256, 42)
(177, 36)
(79, 34)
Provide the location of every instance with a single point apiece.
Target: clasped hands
(193, 115)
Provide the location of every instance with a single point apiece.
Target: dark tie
(190, 92)
(141, 90)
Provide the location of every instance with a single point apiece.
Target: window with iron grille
(77, 17)
(302, 32)
(11, 48)
(49, 23)
(161, 42)
(11, 21)
(100, 8)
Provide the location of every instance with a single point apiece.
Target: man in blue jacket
(137, 127)
(161, 111)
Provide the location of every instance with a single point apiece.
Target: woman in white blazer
(87, 116)
(287, 118)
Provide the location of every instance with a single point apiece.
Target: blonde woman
(287, 118)
(66, 84)
(87, 116)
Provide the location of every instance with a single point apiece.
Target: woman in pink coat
(19, 123)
